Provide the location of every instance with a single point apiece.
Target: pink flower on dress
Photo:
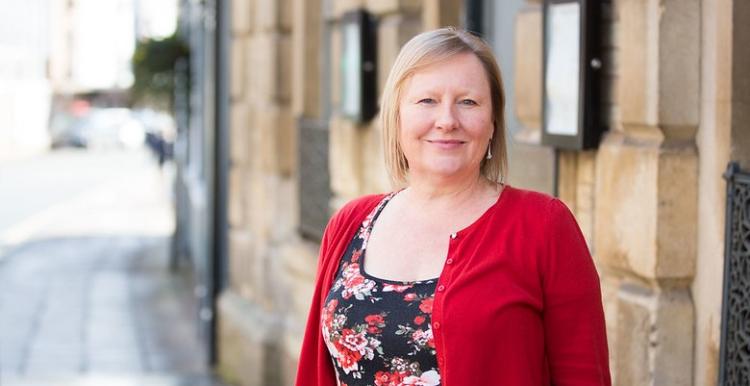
(388, 287)
(352, 340)
(355, 284)
(374, 319)
(356, 254)
(374, 323)
(347, 349)
(384, 378)
(426, 305)
(422, 337)
(348, 360)
(428, 378)
(328, 310)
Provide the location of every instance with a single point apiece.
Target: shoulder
(360, 206)
(535, 213)
(353, 212)
(341, 227)
(537, 204)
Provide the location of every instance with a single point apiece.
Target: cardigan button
(449, 261)
(441, 288)
(453, 236)
(436, 325)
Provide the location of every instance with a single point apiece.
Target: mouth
(446, 144)
(446, 141)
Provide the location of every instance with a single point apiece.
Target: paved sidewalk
(86, 297)
(102, 308)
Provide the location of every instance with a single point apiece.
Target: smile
(446, 143)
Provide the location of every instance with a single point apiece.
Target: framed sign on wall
(358, 64)
(573, 115)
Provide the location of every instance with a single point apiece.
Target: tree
(154, 69)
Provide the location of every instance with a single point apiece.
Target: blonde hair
(421, 51)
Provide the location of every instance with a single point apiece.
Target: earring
(489, 151)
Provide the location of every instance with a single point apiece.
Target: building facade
(650, 198)
(26, 88)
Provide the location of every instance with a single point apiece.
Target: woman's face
(445, 115)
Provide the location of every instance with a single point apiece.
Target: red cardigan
(521, 305)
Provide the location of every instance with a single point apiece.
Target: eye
(468, 102)
(428, 101)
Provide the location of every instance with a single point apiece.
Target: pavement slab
(132, 322)
(86, 295)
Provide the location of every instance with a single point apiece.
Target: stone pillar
(713, 140)
(261, 194)
(723, 136)
(651, 209)
(741, 84)
(299, 257)
(645, 213)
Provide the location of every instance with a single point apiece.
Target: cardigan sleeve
(575, 332)
(313, 368)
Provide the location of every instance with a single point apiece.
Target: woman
(455, 279)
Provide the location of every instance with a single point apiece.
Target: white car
(113, 127)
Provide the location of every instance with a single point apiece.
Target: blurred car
(113, 127)
(66, 131)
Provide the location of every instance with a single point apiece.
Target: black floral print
(378, 331)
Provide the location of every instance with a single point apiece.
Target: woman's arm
(575, 332)
(313, 369)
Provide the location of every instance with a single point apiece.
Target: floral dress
(378, 331)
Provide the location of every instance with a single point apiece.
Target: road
(85, 294)
(31, 185)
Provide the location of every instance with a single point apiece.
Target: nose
(446, 117)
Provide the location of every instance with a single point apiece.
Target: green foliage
(154, 69)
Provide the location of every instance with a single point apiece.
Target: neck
(431, 190)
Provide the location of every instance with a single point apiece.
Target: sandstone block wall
(649, 200)
(261, 192)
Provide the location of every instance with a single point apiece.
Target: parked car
(101, 128)
(67, 131)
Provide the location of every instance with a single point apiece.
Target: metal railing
(734, 360)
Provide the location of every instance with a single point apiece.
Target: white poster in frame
(351, 81)
(562, 69)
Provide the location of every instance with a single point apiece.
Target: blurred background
(167, 168)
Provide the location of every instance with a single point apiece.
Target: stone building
(650, 198)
